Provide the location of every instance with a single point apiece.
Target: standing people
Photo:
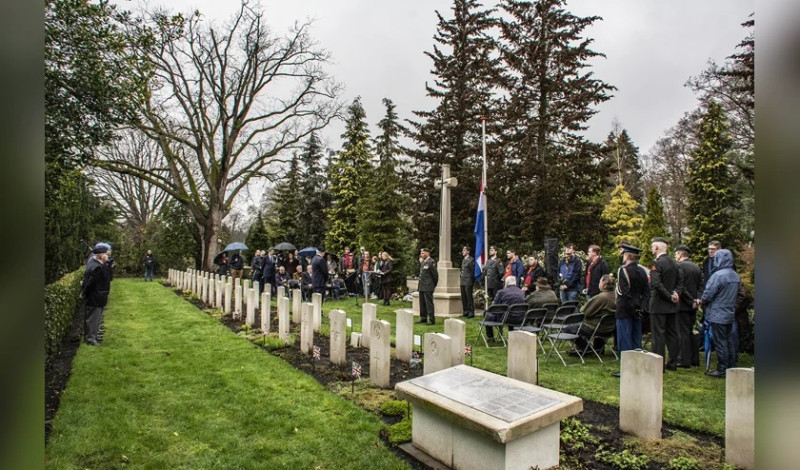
(223, 265)
(364, 268)
(95, 288)
(258, 268)
(268, 269)
(319, 272)
(708, 263)
(569, 274)
(149, 265)
(513, 267)
(387, 268)
(665, 284)
(719, 302)
(428, 278)
(237, 265)
(493, 273)
(633, 296)
(596, 269)
(687, 307)
(348, 265)
(534, 272)
(467, 280)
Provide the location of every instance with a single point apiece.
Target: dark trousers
(686, 320)
(319, 290)
(491, 291)
(492, 317)
(148, 271)
(426, 307)
(257, 278)
(665, 336)
(722, 343)
(467, 301)
(91, 323)
(629, 334)
(271, 281)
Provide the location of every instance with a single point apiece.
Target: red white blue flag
(316, 352)
(468, 350)
(480, 232)
(356, 370)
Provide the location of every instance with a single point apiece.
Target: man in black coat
(493, 273)
(596, 268)
(633, 297)
(467, 280)
(428, 278)
(319, 272)
(665, 285)
(268, 270)
(687, 307)
(257, 265)
(95, 288)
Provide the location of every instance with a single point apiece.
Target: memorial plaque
(498, 399)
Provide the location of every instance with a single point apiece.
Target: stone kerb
(457, 331)
(297, 301)
(380, 369)
(338, 337)
(641, 394)
(369, 312)
(438, 355)
(316, 302)
(307, 329)
(264, 310)
(404, 334)
(522, 360)
(283, 318)
(740, 417)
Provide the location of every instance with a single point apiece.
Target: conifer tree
(713, 199)
(622, 217)
(654, 225)
(257, 235)
(623, 157)
(350, 172)
(316, 198)
(283, 209)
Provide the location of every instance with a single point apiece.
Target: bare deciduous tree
(224, 103)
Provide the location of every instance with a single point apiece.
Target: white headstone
(228, 289)
(404, 334)
(338, 336)
(251, 307)
(212, 290)
(264, 311)
(218, 303)
(316, 302)
(379, 360)
(740, 417)
(355, 339)
(457, 330)
(369, 312)
(522, 359)
(307, 329)
(283, 318)
(438, 355)
(237, 306)
(641, 393)
(282, 293)
(297, 301)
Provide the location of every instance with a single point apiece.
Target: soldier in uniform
(428, 278)
(633, 299)
(467, 279)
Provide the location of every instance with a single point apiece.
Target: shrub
(625, 460)
(60, 301)
(400, 432)
(394, 408)
(683, 463)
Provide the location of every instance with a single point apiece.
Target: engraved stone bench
(468, 418)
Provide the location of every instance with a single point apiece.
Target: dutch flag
(480, 221)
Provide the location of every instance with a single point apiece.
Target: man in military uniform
(687, 307)
(428, 278)
(633, 298)
(467, 279)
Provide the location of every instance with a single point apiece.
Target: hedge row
(60, 301)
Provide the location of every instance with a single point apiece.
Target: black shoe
(716, 373)
(422, 320)
(432, 322)
(673, 368)
(92, 342)
(471, 315)
(615, 374)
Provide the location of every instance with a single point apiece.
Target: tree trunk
(210, 226)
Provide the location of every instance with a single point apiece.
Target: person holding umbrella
(237, 265)
(319, 272)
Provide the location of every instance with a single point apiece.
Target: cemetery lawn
(172, 388)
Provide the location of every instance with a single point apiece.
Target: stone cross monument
(447, 296)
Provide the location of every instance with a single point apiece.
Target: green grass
(173, 388)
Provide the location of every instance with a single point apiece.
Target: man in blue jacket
(719, 304)
(569, 274)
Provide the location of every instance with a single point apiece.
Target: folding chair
(516, 316)
(533, 324)
(570, 303)
(563, 311)
(494, 310)
(607, 322)
(551, 309)
(558, 338)
(558, 318)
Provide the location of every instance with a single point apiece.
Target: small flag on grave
(356, 370)
(316, 352)
(414, 355)
(468, 350)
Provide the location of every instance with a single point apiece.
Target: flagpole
(485, 214)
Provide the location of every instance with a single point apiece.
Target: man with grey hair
(95, 288)
(665, 284)
(509, 295)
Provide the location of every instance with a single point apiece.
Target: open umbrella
(284, 246)
(308, 251)
(235, 246)
(218, 257)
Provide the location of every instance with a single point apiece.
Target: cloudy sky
(652, 47)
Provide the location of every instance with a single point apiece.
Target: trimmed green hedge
(60, 301)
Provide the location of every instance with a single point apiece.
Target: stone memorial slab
(316, 302)
(265, 311)
(379, 359)
(404, 334)
(307, 329)
(297, 301)
(740, 417)
(437, 353)
(369, 313)
(641, 393)
(468, 418)
(457, 331)
(338, 337)
(522, 360)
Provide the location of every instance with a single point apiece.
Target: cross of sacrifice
(445, 183)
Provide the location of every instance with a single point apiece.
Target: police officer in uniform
(428, 278)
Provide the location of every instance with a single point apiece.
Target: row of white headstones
(641, 383)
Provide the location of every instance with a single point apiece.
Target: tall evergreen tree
(316, 198)
(713, 199)
(623, 158)
(465, 71)
(654, 225)
(349, 171)
(257, 235)
(622, 217)
(282, 215)
(552, 173)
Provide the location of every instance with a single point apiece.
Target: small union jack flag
(356, 370)
(414, 355)
(468, 350)
(316, 352)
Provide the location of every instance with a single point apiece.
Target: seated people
(592, 310)
(297, 277)
(544, 294)
(282, 278)
(335, 286)
(306, 284)
(510, 295)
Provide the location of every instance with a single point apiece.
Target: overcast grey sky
(652, 48)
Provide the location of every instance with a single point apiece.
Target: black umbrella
(218, 258)
(284, 246)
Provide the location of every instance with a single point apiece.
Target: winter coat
(719, 296)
